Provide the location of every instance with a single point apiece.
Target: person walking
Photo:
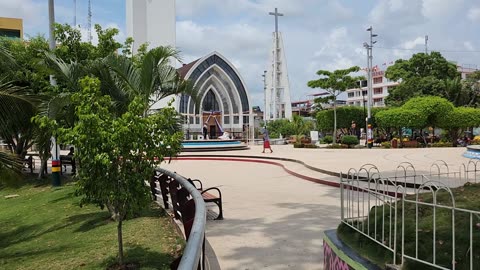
(266, 141)
(205, 131)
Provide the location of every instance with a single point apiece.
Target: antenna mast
(74, 13)
(89, 21)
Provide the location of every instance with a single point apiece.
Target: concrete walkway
(274, 220)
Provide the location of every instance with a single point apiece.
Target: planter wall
(338, 256)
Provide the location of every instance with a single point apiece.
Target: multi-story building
(381, 87)
(11, 27)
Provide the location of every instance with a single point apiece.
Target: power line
(433, 50)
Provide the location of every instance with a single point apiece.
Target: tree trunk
(335, 120)
(400, 134)
(120, 242)
(43, 167)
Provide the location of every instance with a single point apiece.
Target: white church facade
(224, 103)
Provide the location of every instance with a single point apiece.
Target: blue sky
(318, 34)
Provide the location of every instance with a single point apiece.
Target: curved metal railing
(193, 250)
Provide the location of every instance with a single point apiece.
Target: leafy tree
(345, 116)
(300, 126)
(399, 118)
(335, 83)
(456, 121)
(70, 46)
(118, 153)
(423, 74)
(471, 90)
(106, 41)
(433, 108)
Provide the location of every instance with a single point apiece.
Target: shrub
(328, 139)
(386, 145)
(309, 145)
(298, 145)
(337, 146)
(441, 144)
(350, 140)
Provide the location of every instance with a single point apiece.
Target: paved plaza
(275, 220)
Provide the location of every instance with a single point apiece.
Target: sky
(318, 34)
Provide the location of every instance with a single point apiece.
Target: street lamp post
(55, 151)
(369, 83)
(364, 115)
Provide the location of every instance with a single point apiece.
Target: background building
(382, 86)
(152, 22)
(11, 27)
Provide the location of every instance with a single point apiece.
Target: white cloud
(474, 14)
(441, 10)
(413, 43)
(468, 45)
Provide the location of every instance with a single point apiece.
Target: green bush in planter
(337, 146)
(350, 140)
(298, 145)
(328, 139)
(386, 144)
(309, 145)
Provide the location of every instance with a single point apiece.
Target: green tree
(152, 79)
(300, 127)
(335, 83)
(399, 118)
(432, 107)
(118, 153)
(471, 90)
(423, 74)
(456, 121)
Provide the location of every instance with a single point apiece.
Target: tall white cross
(276, 14)
(274, 109)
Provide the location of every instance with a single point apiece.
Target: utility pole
(369, 48)
(426, 44)
(75, 13)
(275, 61)
(89, 24)
(264, 94)
(55, 151)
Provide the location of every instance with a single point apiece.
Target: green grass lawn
(45, 228)
(466, 197)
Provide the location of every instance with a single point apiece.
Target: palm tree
(152, 79)
(16, 108)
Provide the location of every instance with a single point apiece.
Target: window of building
(351, 94)
(377, 80)
(226, 119)
(245, 120)
(9, 33)
(378, 91)
(236, 119)
(364, 93)
(378, 100)
(210, 102)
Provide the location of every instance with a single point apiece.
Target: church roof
(186, 68)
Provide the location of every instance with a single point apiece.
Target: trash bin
(394, 143)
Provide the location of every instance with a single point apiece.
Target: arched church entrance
(212, 115)
(224, 102)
